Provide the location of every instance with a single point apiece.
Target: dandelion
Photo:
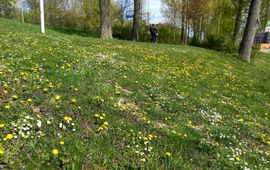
(9, 136)
(62, 142)
(66, 118)
(73, 101)
(2, 125)
(100, 128)
(29, 100)
(168, 154)
(57, 97)
(55, 151)
(15, 97)
(7, 107)
(96, 115)
(2, 152)
(237, 158)
(106, 123)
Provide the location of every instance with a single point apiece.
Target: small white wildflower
(38, 123)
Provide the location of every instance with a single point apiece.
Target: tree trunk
(136, 20)
(238, 18)
(183, 28)
(105, 19)
(200, 29)
(250, 30)
(187, 23)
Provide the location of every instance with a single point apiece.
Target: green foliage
(168, 34)
(7, 8)
(255, 51)
(218, 42)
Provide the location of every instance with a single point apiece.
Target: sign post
(42, 22)
(22, 11)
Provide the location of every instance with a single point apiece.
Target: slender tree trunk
(187, 25)
(174, 35)
(238, 18)
(187, 34)
(183, 28)
(250, 30)
(105, 19)
(200, 29)
(136, 20)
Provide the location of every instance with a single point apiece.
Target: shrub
(219, 42)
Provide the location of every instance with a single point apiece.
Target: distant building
(263, 38)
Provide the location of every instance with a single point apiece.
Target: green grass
(164, 106)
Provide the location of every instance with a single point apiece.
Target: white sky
(155, 12)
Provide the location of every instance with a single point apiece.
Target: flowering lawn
(74, 102)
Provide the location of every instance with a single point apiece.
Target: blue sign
(130, 14)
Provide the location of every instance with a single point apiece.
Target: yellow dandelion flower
(2, 125)
(2, 152)
(96, 115)
(7, 107)
(55, 151)
(66, 118)
(237, 158)
(106, 123)
(57, 97)
(62, 142)
(29, 100)
(9, 136)
(5, 92)
(100, 128)
(15, 97)
(73, 101)
(168, 154)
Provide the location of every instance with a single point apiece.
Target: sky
(155, 12)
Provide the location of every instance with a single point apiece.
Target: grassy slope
(206, 109)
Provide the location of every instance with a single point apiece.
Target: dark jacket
(153, 30)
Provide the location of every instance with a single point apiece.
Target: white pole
(22, 11)
(42, 16)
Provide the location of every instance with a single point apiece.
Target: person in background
(154, 33)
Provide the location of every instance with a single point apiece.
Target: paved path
(265, 50)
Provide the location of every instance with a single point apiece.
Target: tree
(250, 29)
(136, 20)
(171, 10)
(239, 7)
(105, 19)
(7, 7)
(122, 7)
